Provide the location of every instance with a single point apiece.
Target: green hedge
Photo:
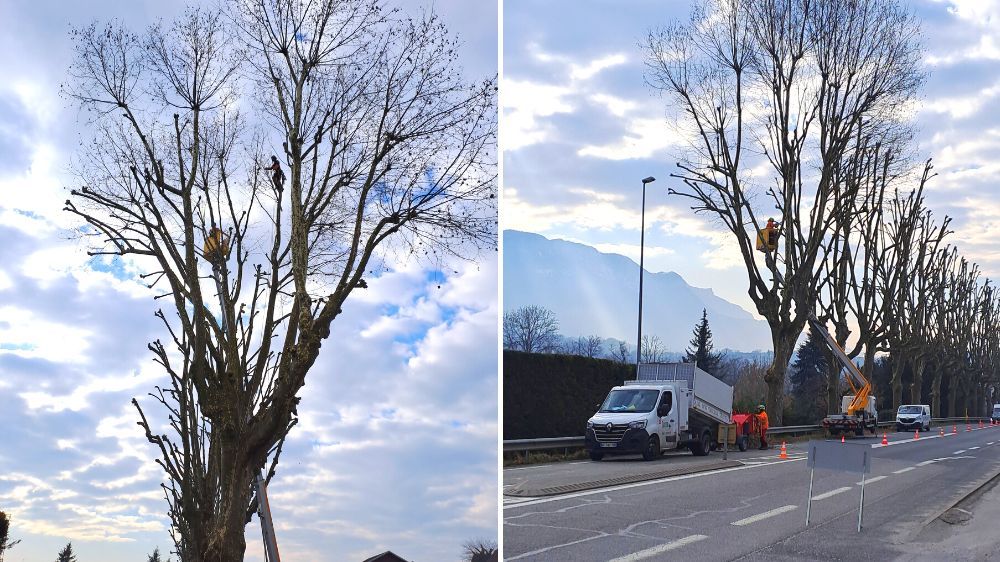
(546, 395)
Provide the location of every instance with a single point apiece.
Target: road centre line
(876, 479)
(637, 484)
(925, 463)
(831, 493)
(973, 448)
(902, 470)
(766, 514)
(959, 452)
(990, 443)
(650, 552)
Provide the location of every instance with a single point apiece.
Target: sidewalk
(966, 532)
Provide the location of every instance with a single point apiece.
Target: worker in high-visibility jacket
(762, 424)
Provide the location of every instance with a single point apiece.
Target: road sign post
(830, 455)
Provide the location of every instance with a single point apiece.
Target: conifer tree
(808, 378)
(700, 351)
(66, 554)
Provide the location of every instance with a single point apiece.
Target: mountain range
(594, 293)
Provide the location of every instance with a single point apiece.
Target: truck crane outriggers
(858, 411)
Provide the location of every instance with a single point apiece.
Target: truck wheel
(652, 449)
(703, 446)
(741, 443)
(595, 456)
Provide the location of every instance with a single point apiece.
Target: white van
(913, 416)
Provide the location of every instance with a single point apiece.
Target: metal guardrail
(548, 443)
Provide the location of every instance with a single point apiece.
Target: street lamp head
(650, 179)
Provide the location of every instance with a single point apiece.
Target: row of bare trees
(799, 109)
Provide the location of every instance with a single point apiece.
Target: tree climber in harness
(277, 175)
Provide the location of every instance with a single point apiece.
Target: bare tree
(532, 328)
(622, 354)
(793, 81)
(653, 350)
(587, 346)
(480, 551)
(388, 153)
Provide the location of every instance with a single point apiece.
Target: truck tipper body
(668, 406)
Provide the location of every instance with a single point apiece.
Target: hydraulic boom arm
(860, 386)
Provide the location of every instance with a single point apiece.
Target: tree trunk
(775, 378)
(936, 393)
(897, 382)
(833, 388)
(227, 540)
(952, 397)
(916, 389)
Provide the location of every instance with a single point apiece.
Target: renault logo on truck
(609, 426)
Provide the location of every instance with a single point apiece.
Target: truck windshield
(909, 409)
(629, 400)
(996, 410)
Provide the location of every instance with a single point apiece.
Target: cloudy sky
(580, 129)
(396, 446)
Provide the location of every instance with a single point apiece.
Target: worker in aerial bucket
(763, 425)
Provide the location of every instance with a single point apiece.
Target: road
(755, 511)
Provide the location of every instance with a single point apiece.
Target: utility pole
(642, 247)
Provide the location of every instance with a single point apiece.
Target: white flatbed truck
(669, 406)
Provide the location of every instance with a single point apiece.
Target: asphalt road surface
(755, 511)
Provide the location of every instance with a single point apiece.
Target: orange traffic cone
(784, 453)
(954, 428)
(942, 432)
(968, 427)
(916, 435)
(885, 438)
(842, 439)
(980, 424)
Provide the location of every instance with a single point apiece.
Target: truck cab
(995, 416)
(634, 419)
(913, 417)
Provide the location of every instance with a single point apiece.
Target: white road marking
(973, 448)
(536, 501)
(651, 552)
(876, 479)
(831, 493)
(959, 452)
(990, 443)
(902, 470)
(925, 463)
(765, 515)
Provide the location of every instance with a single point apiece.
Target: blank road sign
(845, 457)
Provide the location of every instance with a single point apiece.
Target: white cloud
(645, 137)
(589, 70)
(523, 104)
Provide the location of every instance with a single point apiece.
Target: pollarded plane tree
(907, 303)
(962, 280)
(982, 348)
(788, 84)
(382, 151)
(862, 254)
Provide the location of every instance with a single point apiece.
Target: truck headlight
(590, 424)
(640, 424)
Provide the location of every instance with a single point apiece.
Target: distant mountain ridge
(596, 293)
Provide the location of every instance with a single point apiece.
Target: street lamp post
(642, 244)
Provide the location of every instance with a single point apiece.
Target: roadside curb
(977, 489)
